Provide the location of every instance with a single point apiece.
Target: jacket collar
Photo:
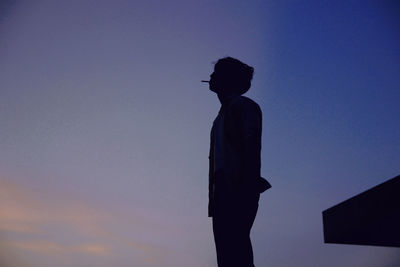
(226, 101)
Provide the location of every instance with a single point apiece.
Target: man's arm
(248, 124)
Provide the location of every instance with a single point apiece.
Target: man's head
(231, 76)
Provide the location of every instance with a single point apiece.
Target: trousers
(232, 222)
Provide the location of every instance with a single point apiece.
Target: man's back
(235, 149)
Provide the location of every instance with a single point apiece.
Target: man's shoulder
(242, 103)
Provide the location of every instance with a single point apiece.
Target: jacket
(235, 151)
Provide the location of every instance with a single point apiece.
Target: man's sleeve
(249, 127)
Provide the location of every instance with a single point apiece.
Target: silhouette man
(234, 174)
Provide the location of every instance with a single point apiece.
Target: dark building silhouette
(370, 218)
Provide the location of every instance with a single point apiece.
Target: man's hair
(237, 74)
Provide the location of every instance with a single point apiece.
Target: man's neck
(224, 99)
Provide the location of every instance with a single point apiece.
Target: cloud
(7, 226)
(93, 249)
(152, 254)
(48, 247)
(24, 210)
(8, 257)
(49, 223)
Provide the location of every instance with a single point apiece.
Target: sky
(105, 126)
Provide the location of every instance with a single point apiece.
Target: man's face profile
(212, 84)
(217, 82)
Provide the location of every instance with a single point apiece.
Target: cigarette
(203, 81)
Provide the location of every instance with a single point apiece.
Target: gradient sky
(105, 126)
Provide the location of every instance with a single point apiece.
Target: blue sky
(105, 126)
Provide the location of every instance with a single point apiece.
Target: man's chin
(212, 89)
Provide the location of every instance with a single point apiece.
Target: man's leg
(244, 250)
(231, 226)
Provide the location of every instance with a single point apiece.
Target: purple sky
(105, 126)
